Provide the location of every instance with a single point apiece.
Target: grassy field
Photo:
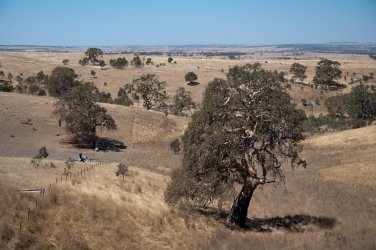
(329, 205)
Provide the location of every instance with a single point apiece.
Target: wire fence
(42, 193)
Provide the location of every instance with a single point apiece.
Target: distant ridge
(332, 47)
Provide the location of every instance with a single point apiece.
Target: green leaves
(326, 72)
(246, 129)
(81, 115)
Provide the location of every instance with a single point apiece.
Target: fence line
(42, 191)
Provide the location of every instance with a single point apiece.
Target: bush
(175, 146)
(119, 63)
(326, 123)
(102, 97)
(137, 61)
(84, 61)
(123, 98)
(190, 77)
(6, 87)
(122, 170)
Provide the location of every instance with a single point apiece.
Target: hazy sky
(176, 22)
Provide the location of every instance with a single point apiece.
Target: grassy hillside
(27, 124)
(331, 204)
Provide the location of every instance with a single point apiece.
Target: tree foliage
(182, 102)
(361, 103)
(122, 170)
(149, 61)
(119, 63)
(123, 98)
(137, 61)
(175, 146)
(101, 63)
(151, 90)
(81, 114)
(190, 77)
(298, 70)
(93, 54)
(170, 59)
(84, 61)
(245, 132)
(61, 81)
(326, 72)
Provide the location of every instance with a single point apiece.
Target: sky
(185, 22)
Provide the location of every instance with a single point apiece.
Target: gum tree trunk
(239, 210)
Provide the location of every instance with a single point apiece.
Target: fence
(44, 191)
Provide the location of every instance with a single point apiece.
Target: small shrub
(122, 170)
(43, 152)
(175, 146)
(6, 87)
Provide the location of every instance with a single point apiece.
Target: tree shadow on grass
(297, 223)
(103, 144)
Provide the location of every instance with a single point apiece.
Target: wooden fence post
(20, 225)
(36, 201)
(28, 214)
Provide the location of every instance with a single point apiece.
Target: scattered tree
(361, 103)
(1, 73)
(65, 61)
(93, 54)
(119, 63)
(101, 63)
(84, 61)
(122, 170)
(137, 61)
(93, 74)
(326, 72)
(61, 81)
(175, 146)
(151, 90)
(298, 70)
(170, 59)
(245, 132)
(182, 101)
(123, 98)
(6, 87)
(149, 61)
(41, 77)
(81, 115)
(190, 77)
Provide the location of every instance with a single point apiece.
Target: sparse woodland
(211, 150)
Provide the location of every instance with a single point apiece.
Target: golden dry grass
(100, 211)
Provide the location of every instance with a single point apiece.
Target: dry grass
(100, 211)
(29, 63)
